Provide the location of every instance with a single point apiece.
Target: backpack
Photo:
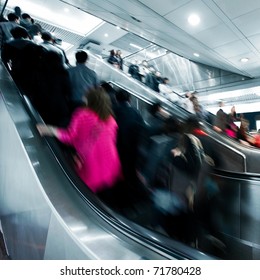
(197, 148)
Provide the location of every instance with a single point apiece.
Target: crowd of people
(146, 74)
(116, 59)
(110, 140)
(121, 157)
(235, 126)
(152, 78)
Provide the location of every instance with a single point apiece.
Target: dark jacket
(130, 129)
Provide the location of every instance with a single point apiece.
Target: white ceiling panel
(232, 49)
(249, 23)
(68, 18)
(180, 17)
(254, 67)
(133, 8)
(255, 40)
(166, 6)
(245, 65)
(236, 8)
(107, 33)
(217, 36)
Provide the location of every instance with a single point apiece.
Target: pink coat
(95, 143)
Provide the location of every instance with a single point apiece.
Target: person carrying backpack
(175, 184)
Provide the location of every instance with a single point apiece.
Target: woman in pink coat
(92, 132)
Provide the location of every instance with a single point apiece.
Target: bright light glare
(135, 46)
(196, 54)
(244, 59)
(240, 108)
(66, 46)
(81, 23)
(194, 19)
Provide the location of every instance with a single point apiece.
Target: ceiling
(228, 30)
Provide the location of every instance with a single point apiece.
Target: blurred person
(176, 181)
(11, 53)
(92, 132)
(3, 19)
(167, 91)
(201, 113)
(112, 59)
(48, 44)
(119, 58)
(156, 118)
(244, 136)
(82, 79)
(26, 21)
(188, 102)
(18, 11)
(58, 43)
(144, 70)
(152, 79)
(35, 33)
(6, 27)
(133, 70)
(111, 93)
(53, 95)
(221, 119)
(166, 136)
(164, 87)
(231, 128)
(243, 133)
(199, 110)
(22, 57)
(131, 127)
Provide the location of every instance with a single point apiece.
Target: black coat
(131, 127)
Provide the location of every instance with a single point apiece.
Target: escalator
(229, 206)
(46, 212)
(228, 153)
(227, 199)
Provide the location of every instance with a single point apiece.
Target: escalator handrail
(210, 136)
(140, 84)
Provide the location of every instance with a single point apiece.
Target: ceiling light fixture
(196, 54)
(194, 19)
(106, 35)
(244, 59)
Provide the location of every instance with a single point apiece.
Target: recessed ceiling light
(117, 27)
(196, 54)
(194, 19)
(244, 59)
(66, 10)
(106, 35)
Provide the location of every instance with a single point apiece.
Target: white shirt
(188, 105)
(165, 89)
